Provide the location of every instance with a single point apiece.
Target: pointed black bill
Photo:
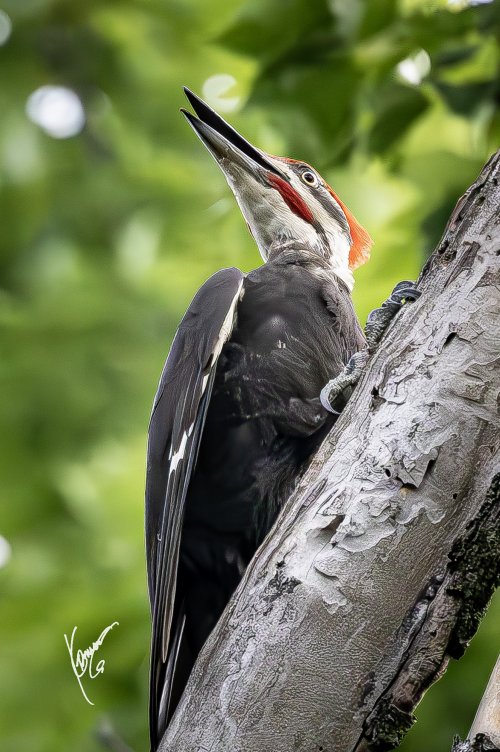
(209, 124)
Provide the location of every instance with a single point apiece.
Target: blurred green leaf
(326, 107)
(397, 108)
(454, 56)
(266, 30)
(467, 98)
(378, 16)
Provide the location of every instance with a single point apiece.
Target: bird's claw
(406, 290)
(379, 319)
(333, 395)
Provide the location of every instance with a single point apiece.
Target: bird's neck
(330, 254)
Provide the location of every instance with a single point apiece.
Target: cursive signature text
(83, 661)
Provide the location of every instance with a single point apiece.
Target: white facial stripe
(270, 219)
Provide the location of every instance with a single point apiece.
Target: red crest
(361, 240)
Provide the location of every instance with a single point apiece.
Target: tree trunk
(383, 560)
(484, 735)
(487, 720)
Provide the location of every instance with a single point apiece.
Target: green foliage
(106, 236)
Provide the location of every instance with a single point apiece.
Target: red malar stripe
(291, 198)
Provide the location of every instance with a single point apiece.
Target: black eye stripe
(324, 198)
(331, 206)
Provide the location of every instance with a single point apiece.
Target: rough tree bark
(484, 735)
(383, 560)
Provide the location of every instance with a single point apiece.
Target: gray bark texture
(484, 735)
(480, 743)
(386, 555)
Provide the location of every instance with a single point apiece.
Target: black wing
(175, 432)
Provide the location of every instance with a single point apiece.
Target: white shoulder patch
(227, 326)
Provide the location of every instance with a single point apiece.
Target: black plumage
(236, 418)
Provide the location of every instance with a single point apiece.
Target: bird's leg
(379, 319)
(336, 393)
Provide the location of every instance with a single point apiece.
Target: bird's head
(282, 199)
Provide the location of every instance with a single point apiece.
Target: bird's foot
(335, 394)
(379, 319)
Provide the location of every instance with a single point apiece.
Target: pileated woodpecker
(245, 395)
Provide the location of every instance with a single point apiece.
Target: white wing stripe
(179, 454)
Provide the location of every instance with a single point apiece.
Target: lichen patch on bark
(475, 568)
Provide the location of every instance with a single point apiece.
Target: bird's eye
(309, 178)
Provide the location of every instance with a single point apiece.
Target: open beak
(228, 148)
